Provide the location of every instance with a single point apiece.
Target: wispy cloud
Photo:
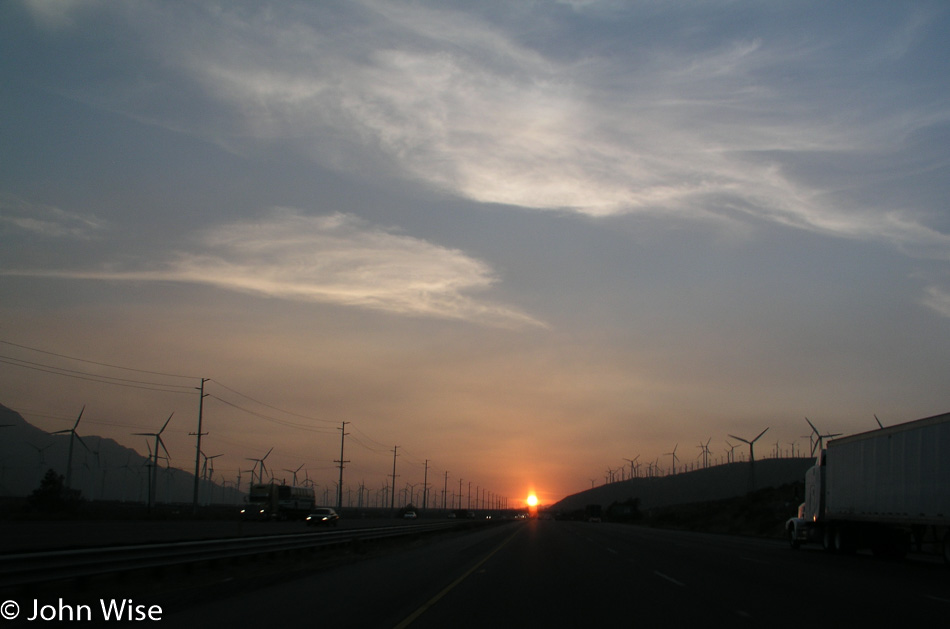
(448, 99)
(336, 259)
(47, 221)
(937, 299)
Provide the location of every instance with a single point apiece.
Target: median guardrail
(50, 566)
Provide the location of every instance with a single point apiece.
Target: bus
(270, 501)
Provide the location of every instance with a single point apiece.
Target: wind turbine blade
(82, 442)
(80, 416)
(740, 439)
(159, 441)
(166, 423)
(760, 434)
(815, 430)
(879, 424)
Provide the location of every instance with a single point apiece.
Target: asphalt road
(560, 574)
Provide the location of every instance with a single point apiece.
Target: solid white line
(668, 578)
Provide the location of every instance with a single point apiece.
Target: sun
(532, 501)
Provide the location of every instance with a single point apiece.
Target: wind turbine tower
(153, 468)
(72, 437)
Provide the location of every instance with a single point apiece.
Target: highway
(580, 574)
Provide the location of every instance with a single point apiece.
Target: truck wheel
(828, 539)
(793, 540)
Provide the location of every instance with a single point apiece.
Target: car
(409, 515)
(323, 516)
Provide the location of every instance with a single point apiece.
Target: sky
(522, 241)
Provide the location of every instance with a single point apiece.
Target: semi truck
(270, 501)
(887, 490)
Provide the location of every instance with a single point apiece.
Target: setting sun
(532, 501)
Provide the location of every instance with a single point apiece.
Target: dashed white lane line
(669, 578)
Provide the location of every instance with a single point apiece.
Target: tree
(52, 495)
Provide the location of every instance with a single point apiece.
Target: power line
(316, 419)
(82, 375)
(282, 422)
(373, 450)
(92, 362)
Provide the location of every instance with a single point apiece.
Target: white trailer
(887, 490)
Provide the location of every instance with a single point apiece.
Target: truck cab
(806, 526)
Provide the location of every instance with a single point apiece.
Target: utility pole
(425, 485)
(392, 504)
(460, 495)
(445, 489)
(201, 400)
(339, 489)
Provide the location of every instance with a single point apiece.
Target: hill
(714, 483)
(102, 469)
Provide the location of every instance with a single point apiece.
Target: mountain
(102, 469)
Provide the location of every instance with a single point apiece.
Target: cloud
(937, 299)
(335, 259)
(56, 14)
(694, 127)
(47, 221)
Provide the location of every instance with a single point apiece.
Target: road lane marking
(669, 578)
(435, 599)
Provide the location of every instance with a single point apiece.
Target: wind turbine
(260, 461)
(821, 438)
(153, 468)
(675, 458)
(730, 453)
(879, 424)
(72, 437)
(632, 468)
(704, 452)
(751, 444)
(207, 468)
(294, 472)
(128, 468)
(39, 452)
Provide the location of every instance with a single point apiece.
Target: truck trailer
(887, 490)
(270, 501)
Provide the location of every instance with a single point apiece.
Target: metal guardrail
(50, 566)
